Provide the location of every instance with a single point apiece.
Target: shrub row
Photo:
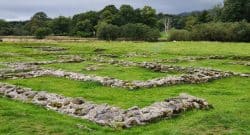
(129, 31)
(236, 32)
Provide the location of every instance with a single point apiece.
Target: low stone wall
(114, 62)
(47, 48)
(102, 113)
(240, 63)
(213, 57)
(199, 77)
(191, 76)
(34, 65)
(154, 66)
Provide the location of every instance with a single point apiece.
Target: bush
(108, 31)
(41, 33)
(240, 32)
(211, 32)
(152, 34)
(179, 35)
(84, 29)
(236, 32)
(139, 31)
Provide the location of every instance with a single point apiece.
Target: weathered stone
(105, 114)
(77, 101)
(56, 104)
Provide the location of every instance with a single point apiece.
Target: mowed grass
(163, 49)
(109, 70)
(230, 97)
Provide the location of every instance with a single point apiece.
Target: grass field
(230, 97)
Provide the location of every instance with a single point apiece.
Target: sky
(23, 9)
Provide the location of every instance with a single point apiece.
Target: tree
(41, 33)
(191, 21)
(149, 16)
(216, 13)
(5, 28)
(39, 20)
(18, 28)
(139, 31)
(108, 14)
(127, 14)
(240, 31)
(61, 26)
(92, 16)
(203, 17)
(111, 8)
(108, 31)
(84, 29)
(236, 10)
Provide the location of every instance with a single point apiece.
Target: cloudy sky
(24, 9)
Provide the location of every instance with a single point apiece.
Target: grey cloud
(24, 9)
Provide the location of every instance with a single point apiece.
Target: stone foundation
(104, 114)
(190, 75)
(199, 77)
(213, 57)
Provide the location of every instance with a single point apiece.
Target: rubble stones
(94, 67)
(34, 65)
(190, 76)
(104, 114)
(136, 54)
(218, 57)
(195, 76)
(46, 48)
(240, 63)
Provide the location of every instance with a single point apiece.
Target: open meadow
(229, 96)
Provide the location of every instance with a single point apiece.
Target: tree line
(227, 22)
(108, 23)
(144, 23)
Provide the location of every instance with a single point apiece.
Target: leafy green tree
(215, 13)
(18, 28)
(61, 26)
(127, 14)
(84, 29)
(138, 17)
(139, 31)
(5, 28)
(108, 31)
(41, 33)
(108, 14)
(39, 20)
(240, 31)
(92, 16)
(204, 17)
(236, 10)
(149, 16)
(110, 8)
(191, 21)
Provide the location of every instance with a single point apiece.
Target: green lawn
(119, 72)
(230, 97)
